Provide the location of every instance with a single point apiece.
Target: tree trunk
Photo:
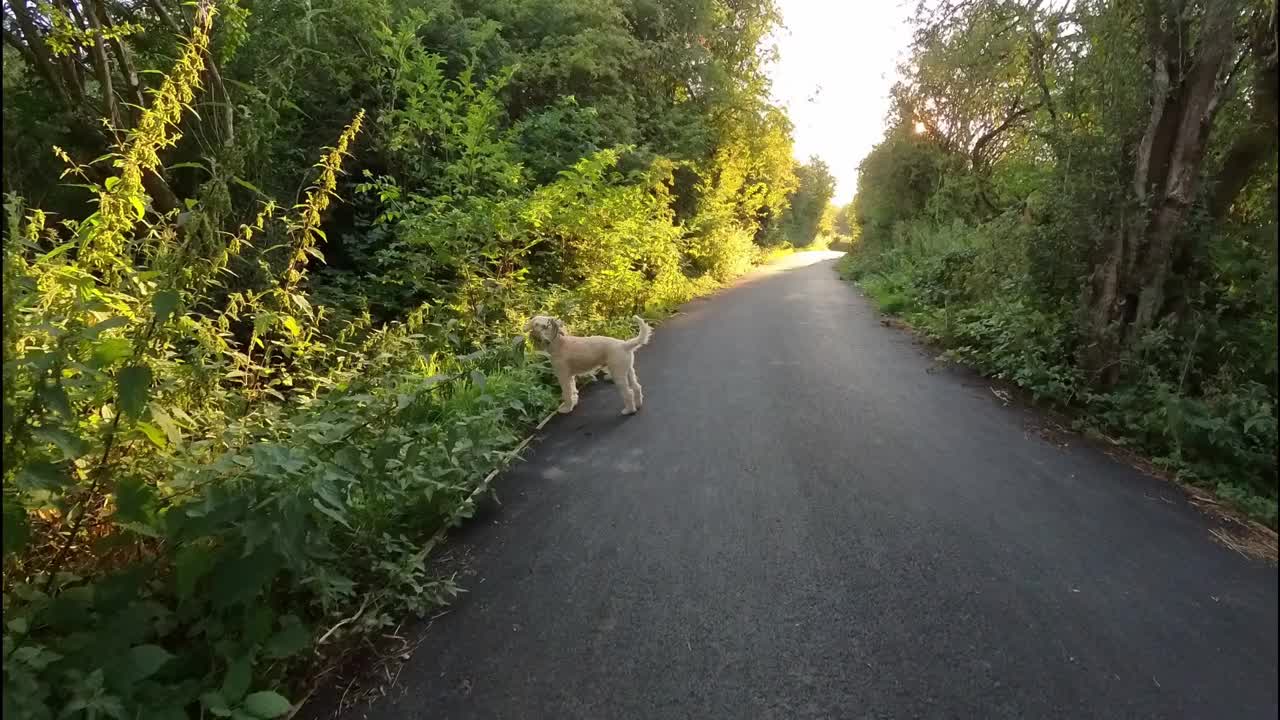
(132, 83)
(1127, 290)
(46, 65)
(102, 69)
(1258, 143)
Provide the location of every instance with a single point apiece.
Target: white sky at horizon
(837, 61)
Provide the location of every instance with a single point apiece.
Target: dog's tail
(643, 338)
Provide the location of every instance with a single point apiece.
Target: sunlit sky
(838, 61)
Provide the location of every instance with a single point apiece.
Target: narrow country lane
(806, 521)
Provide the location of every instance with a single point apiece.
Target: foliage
(809, 213)
(990, 213)
(234, 428)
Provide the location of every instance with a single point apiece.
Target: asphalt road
(808, 520)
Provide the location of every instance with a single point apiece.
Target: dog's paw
(564, 409)
(628, 413)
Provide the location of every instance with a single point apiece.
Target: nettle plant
(193, 491)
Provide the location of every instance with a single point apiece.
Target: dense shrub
(1018, 211)
(235, 428)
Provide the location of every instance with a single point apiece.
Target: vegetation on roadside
(809, 218)
(231, 422)
(1081, 198)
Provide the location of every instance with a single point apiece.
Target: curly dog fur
(572, 356)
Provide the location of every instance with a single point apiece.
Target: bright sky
(838, 60)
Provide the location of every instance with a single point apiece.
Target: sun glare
(919, 128)
(838, 106)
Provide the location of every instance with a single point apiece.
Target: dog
(572, 356)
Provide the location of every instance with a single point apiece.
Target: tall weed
(217, 459)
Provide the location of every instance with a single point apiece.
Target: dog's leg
(621, 370)
(634, 382)
(568, 392)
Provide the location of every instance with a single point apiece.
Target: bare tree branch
(977, 156)
(1252, 147)
(45, 64)
(102, 69)
(124, 59)
(1160, 86)
(16, 43)
(166, 17)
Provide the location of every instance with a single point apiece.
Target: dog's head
(543, 329)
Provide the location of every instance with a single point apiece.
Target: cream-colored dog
(572, 356)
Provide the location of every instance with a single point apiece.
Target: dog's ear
(558, 325)
(528, 326)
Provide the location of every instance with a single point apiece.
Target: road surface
(809, 520)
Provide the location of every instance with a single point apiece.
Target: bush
(721, 251)
(215, 459)
(1024, 215)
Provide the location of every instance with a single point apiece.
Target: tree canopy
(1080, 197)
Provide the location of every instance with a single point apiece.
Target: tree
(843, 222)
(807, 205)
(1079, 195)
(1196, 57)
(83, 54)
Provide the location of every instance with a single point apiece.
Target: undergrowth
(218, 466)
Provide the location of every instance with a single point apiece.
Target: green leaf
(146, 660)
(247, 185)
(215, 704)
(257, 625)
(291, 639)
(331, 512)
(153, 433)
(236, 682)
(301, 301)
(384, 452)
(166, 423)
(109, 351)
(263, 321)
(163, 304)
(134, 497)
(16, 527)
(133, 385)
(54, 397)
(43, 476)
(266, 705)
(114, 321)
(35, 656)
(64, 248)
(291, 325)
(239, 580)
(191, 563)
(71, 446)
